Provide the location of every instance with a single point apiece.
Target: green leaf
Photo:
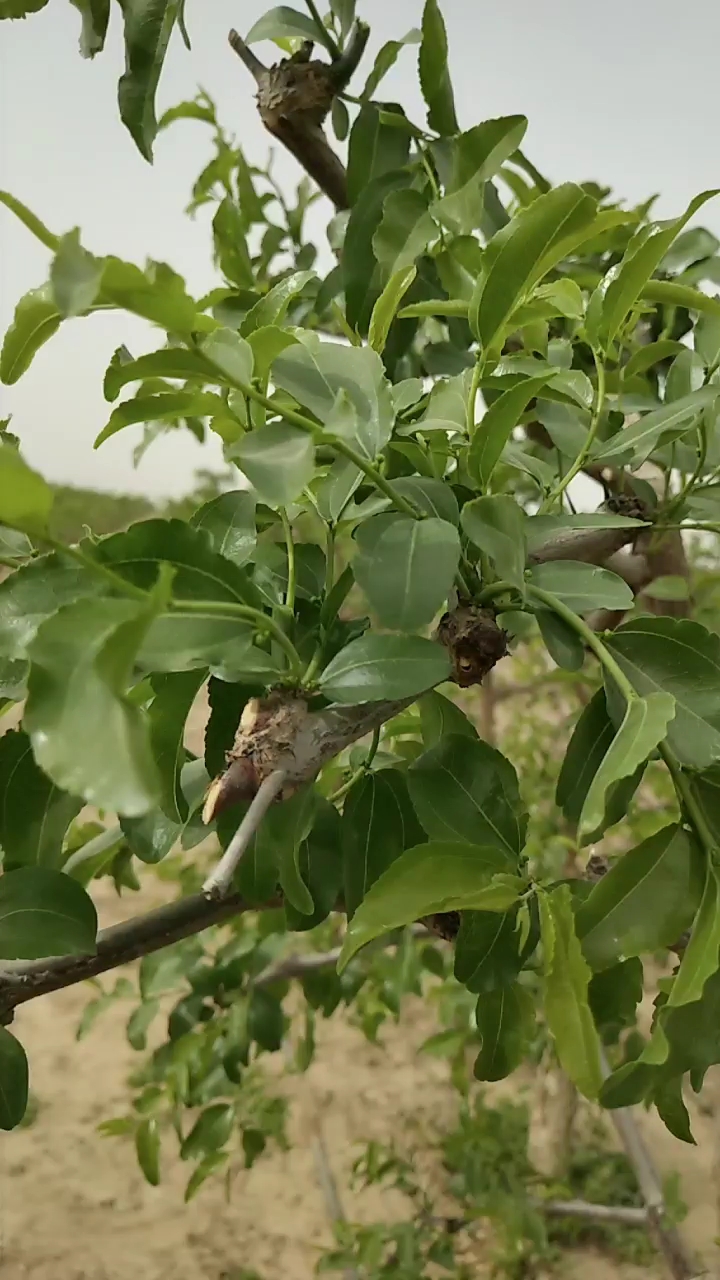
(358, 260)
(281, 23)
(75, 276)
(494, 430)
(31, 594)
(434, 497)
(645, 902)
(148, 27)
(378, 824)
(231, 252)
(266, 345)
(407, 572)
(431, 878)
(463, 789)
(505, 1022)
(44, 913)
(35, 321)
(211, 1130)
(670, 421)
(374, 149)
(386, 307)
(13, 1078)
(614, 995)
(34, 814)
(151, 837)
(165, 406)
(147, 1150)
(200, 573)
(496, 525)
(519, 255)
(487, 955)
(158, 294)
(702, 954)
(386, 59)
(566, 995)
(440, 717)
(477, 156)
(376, 667)
(283, 831)
(278, 460)
(229, 353)
(87, 736)
(205, 1169)
(30, 220)
(272, 308)
(26, 499)
(405, 229)
(319, 863)
(642, 257)
(582, 587)
(644, 726)
(562, 643)
(229, 522)
(591, 740)
(169, 710)
(315, 373)
(434, 74)
(169, 362)
(681, 658)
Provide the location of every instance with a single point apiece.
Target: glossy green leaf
(31, 594)
(434, 497)
(286, 826)
(148, 27)
(211, 1130)
(267, 344)
(75, 276)
(13, 1080)
(464, 789)
(151, 837)
(582, 587)
(434, 74)
(375, 149)
(386, 59)
(378, 824)
(477, 156)
(614, 995)
(642, 258)
(87, 736)
(319, 863)
(35, 321)
(519, 255)
(496, 426)
(44, 913)
(431, 878)
(272, 308)
(147, 1149)
(505, 1022)
(376, 667)
(588, 747)
(562, 643)
(229, 522)
(174, 696)
(496, 525)
(405, 230)
(644, 726)
(231, 252)
(158, 294)
(25, 497)
(566, 995)
(169, 406)
(229, 353)
(200, 573)
(169, 362)
(386, 307)
(671, 421)
(487, 952)
(646, 900)
(682, 658)
(702, 954)
(281, 23)
(34, 814)
(316, 373)
(407, 572)
(440, 717)
(278, 460)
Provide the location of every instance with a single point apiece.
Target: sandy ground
(73, 1205)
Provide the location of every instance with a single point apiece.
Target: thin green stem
(372, 749)
(287, 530)
(352, 337)
(229, 609)
(324, 36)
(687, 799)
(358, 773)
(583, 455)
(587, 635)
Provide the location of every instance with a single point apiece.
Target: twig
(220, 880)
(329, 1188)
(595, 1212)
(665, 1235)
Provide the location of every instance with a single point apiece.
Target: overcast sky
(624, 91)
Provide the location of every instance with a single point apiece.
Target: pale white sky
(625, 92)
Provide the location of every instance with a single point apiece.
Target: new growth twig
(219, 882)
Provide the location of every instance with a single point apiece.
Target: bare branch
(246, 55)
(595, 1212)
(220, 880)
